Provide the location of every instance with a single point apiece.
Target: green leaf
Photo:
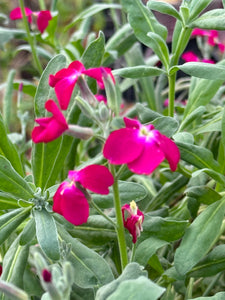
(14, 264)
(96, 231)
(12, 183)
(44, 91)
(92, 56)
(40, 51)
(212, 19)
(166, 125)
(12, 292)
(218, 296)
(128, 191)
(196, 7)
(212, 264)
(198, 156)
(132, 271)
(7, 100)
(90, 11)
(200, 237)
(166, 229)
(7, 34)
(91, 269)
(7, 201)
(143, 21)
(11, 220)
(139, 288)
(8, 150)
(218, 177)
(202, 92)
(203, 194)
(164, 8)
(47, 233)
(159, 46)
(203, 70)
(147, 248)
(196, 114)
(137, 72)
(28, 232)
(213, 124)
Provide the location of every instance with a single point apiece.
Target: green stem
(119, 219)
(172, 82)
(212, 284)
(189, 291)
(30, 39)
(102, 214)
(133, 253)
(42, 5)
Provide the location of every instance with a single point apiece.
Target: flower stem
(119, 219)
(42, 5)
(172, 81)
(30, 39)
(101, 213)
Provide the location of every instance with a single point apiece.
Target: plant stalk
(30, 38)
(120, 227)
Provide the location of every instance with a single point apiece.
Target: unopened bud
(86, 92)
(46, 275)
(83, 133)
(103, 112)
(85, 107)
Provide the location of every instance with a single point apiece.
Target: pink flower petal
(17, 14)
(78, 66)
(149, 159)
(189, 56)
(132, 123)
(123, 146)
(43, 18)
(50, 127)
(170, 150)
(71, 203)
(95, 178)
(64, 82)
(200, 32)
(74, 206)
(98, 74)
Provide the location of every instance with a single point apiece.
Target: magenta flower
(70, 202)
(50, 127)
(65, 79)
(133, 219)
(46, 275)
(141, 147)
(43, 17)
(189, 56)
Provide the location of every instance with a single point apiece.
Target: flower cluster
(141, 147)
(43, 17)
(132, 219)
(212, 37)
(64, 82)
(70, 199)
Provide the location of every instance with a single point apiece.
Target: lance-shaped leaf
(212, 264)
(12, 183)
(91, 11)
(47, 233)
(213, 19)
(198, 156)
(164, 8)
(7, 34)
(91, 269)
(14, 264)
(200, 237)
(218, 296)
(197, 6)
(128, 191)
(142, 20)
(139, 71)
(11, 220)
(8, 150)
(202, 70)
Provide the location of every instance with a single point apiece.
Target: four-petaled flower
(65, 79)
(190, 56)
(132, 219)
(212, 37)
(70, 199)
(43, 17)
(50, 127)
(141, 147)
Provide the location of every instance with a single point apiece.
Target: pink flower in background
(141, 147)
(70, 202)
(64, 80)
(43, 17)
(132, 219)
(50, 127)
(190, 56)
(101, 98)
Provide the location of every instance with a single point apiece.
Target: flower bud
(83, 133)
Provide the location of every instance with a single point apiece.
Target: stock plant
(105, 198)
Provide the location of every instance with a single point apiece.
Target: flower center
(133, 207)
